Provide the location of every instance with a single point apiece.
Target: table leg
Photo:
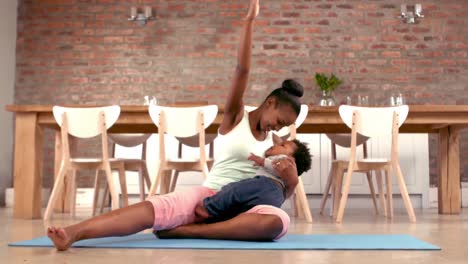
(449, 174)
(27, 167)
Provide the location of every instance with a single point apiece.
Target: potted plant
(327, 85)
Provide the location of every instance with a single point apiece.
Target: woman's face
(277, 116)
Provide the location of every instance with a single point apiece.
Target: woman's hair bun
(292, 87)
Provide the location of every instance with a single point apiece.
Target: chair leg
(327, 188)
(372, 191)
(123, 185)
(165, 182)
(146, 176)
(337, 190)
(66, 196)
(303, 203)
(388, 179)
(296, 205)
(112, 189)
(205, 170)
(174, 179)
(155, 183)
(58, 186)
(105, 198)
(344, 196)
(378, 173)
(97, 186)
(72, 192)
(141, 183)
(404, 192)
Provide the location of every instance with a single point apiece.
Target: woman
(242, 133)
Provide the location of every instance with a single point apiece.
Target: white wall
(8, 11)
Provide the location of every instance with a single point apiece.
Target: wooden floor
(450, 232)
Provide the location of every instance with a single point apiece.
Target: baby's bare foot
(62, 240)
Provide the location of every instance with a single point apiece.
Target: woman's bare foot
(62, 240)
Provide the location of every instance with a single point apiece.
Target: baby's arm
(259, 161)
(266, 163)
(279, 167)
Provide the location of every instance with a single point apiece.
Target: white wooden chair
(193, 142)
(344, 141)
(130, 164)
(180, 122)
(84, 123)
(300, 202)
(372, 121)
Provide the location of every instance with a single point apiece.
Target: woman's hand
(285, 165)
(254, 9)
(286, 168)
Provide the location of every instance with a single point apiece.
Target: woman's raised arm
(234, 106)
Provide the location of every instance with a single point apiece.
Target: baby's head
(291, 148)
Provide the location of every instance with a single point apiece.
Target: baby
(267, 188)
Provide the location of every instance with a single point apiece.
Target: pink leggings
(178, 208)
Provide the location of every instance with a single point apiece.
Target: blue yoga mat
(289, 242)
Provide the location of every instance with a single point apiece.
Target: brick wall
(85, 51)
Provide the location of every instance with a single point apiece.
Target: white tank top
(231, 155)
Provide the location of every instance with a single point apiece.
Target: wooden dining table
(31, 120)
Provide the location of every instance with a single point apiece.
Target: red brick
(400, 62)
(391, 54)
(378, 62)
(391, 38)
(323, 22)
(312, 30)
(379, 46)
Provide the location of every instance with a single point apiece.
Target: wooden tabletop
(312, 108)
(421, 118)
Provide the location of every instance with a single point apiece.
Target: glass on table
(359, 100)
(147, 100)
(397, 99)
(363, 100)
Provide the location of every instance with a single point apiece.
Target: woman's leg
(260, 223)
(251, 227)
(121, 222)
(159, 212)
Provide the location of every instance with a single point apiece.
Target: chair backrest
(84, 122)
(129, 140)
(286, 131)
(373, 121)
(183, 121)
(250, 108)
(194, 142)
(344, 140)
